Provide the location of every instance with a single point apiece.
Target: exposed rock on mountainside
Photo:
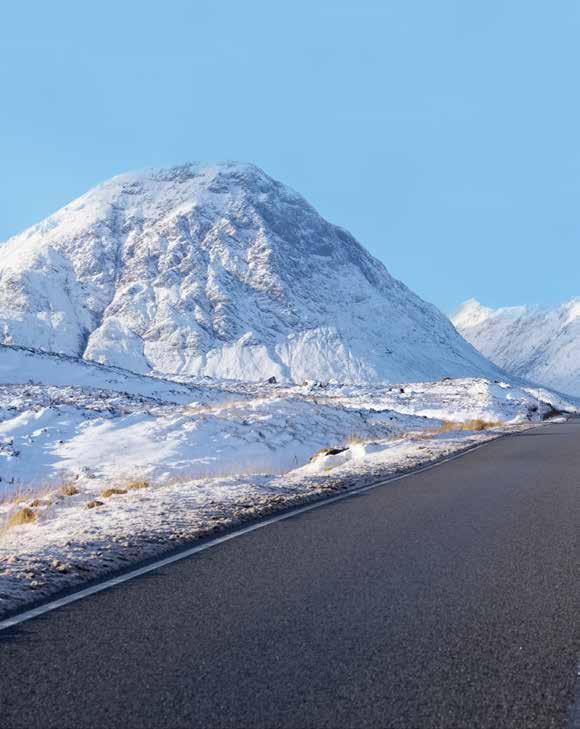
(542, 345)
(218, 270)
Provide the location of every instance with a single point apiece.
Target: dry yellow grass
(68, 489)
(20, 516)
(476, 424)
(17, 495)
(105, 493)
(137, 485)
(21, 494)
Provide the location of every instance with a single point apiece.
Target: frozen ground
(196, 456)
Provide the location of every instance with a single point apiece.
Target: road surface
(447, 599)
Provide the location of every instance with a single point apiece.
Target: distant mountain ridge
(539, 344)
(218, 270)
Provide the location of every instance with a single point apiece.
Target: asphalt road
(448, 599)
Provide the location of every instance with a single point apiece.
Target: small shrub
(35, 503)
(137, 485)
(477, 424)
(68, 489)
(93, 504)
(21, 516)
(105, 493)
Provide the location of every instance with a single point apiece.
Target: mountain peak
(217, 269)
(205, 173)
(470, 311)
(472, 314)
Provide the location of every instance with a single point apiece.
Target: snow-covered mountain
(542, 345)
(218, 270)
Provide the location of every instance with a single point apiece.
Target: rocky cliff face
(222, 271)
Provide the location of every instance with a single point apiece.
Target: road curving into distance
(447, 599)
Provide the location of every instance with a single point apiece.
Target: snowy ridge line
(89, 364)
(74, 359)
(319, 501)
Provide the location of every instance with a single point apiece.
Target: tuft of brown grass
(477, 424)
(93, 504)
(25, 493)
(137, 485)
(35, 503)
(105, 493)
(21, 516)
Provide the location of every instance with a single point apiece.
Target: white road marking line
(575, 710)
(61, 602)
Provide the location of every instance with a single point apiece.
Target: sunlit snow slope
(542, 345)
(222, 271)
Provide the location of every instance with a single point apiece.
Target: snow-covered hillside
(222, 271)
(99, 466)
(63, 419)
(542, 345)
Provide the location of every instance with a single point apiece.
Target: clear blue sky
(444, 134)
